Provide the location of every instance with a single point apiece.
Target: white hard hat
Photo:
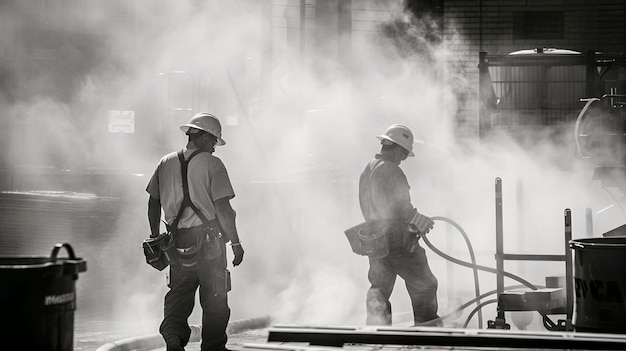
(205, 122)
(399, 134)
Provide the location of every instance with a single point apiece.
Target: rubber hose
(478, 308)
(473, 259)
(475, 266)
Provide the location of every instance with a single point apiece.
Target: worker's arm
(154, 216)
(226, 217)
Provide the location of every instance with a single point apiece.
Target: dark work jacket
(384, 191)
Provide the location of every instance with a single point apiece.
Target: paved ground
(92, 333)
(258, 336)
(89, 334)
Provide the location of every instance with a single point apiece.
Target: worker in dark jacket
(393, 228)
(200, 228)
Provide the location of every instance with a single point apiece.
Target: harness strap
(186, 198)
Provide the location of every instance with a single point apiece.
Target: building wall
(498, 27)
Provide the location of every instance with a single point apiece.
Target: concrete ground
(91, 334)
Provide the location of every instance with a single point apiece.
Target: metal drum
(38, 299)
(599, 284)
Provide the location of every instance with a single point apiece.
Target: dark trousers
(211, 280)
(420, 283)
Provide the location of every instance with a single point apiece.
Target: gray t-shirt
(207, 179)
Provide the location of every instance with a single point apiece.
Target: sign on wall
(121, 121)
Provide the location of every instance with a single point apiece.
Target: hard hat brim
(185, 128)
(384, 137)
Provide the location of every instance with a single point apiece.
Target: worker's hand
(238, 252)
(423, 223)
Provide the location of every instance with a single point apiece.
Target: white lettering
(58, 299)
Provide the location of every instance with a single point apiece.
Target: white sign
(121, 121)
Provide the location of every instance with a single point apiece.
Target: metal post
(591, 75)
(266, 54)
(302, 31)
(499, 238)
(589, 222)
(499, 324)
(521, 238)
(483, 110)
(344, 33)
(569, 276)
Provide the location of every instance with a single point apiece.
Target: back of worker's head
(195, 135)
(397, 135)
(204, 122)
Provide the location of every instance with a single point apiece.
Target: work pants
(420, 283)
(211, 279)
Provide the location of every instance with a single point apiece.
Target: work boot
(437, 322)
(173, 344)
(175, 347)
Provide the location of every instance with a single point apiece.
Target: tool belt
(378, 239)
(195, 245)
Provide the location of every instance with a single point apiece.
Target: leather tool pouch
(212, 247)
(409, 241)
(374, 239)
(221, 284)
(206, 245)
(190, 258)
(154, 252)
(378, 239)
(352, 234)
(387, 237)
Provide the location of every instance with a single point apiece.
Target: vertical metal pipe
(483, 117)
(499, 244)
(591, 73)
(344, 33)
(520, 221)
(266, 53)
(589, 222)
(302, 31)
(569, 275)
(480, 25)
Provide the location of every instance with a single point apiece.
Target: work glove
(422, 223)
(238, 252)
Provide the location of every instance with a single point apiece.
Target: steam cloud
(294, 159)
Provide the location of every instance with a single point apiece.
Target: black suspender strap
(186, 198)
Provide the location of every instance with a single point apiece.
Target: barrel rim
(609, 242)
(26, 262)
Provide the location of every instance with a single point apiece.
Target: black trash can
(38, 300)
(600, 285)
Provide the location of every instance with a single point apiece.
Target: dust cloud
(295, 149)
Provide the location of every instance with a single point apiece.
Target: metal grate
(540, 95)
(534, 88)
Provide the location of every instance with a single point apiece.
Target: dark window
(538, 25)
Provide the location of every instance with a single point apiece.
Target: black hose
(473, 259)
(478, 308)
(479, 267)
(472, 301)
(546, 320)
